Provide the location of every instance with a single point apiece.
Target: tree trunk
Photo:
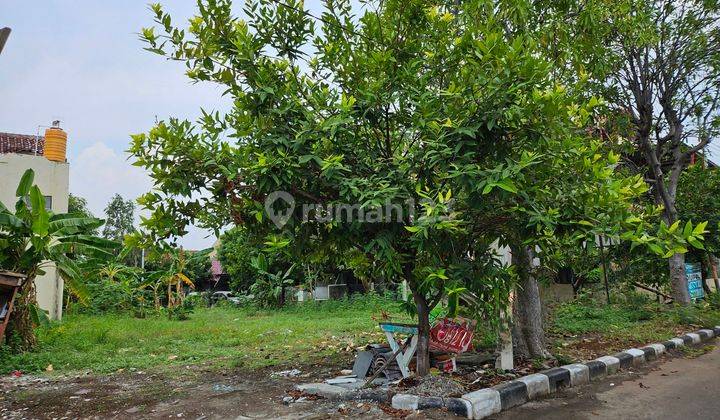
(713, 269)
(678, 280)
(21, 327)
(703, 272)
(528, 332)
(422, 353)
(423, 345)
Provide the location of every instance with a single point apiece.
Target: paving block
(558, 378)
(427, 403)
(679, 342)
(687, 339)
(695, 338)
(706, 334)
(485, 402)
(638, 356)
(537, 385)
(626, 359)
(579, 373)
(596, 369)
(611, 363)
(405, 402)
(669, 345)
(659, 348)
(650, 354)
(459, 406)
(512, 394)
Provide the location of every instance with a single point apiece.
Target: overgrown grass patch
(586, 328)
(297, 335)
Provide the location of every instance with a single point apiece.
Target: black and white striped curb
(488, 401)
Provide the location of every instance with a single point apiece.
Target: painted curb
(488, 401)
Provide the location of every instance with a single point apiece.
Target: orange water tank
(55, 143)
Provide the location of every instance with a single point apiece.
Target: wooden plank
(399, 328)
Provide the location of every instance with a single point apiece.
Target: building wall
(53, 180)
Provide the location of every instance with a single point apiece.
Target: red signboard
(452, 335)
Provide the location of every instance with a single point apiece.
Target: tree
(198, 266)
(32, 238)
(697, 199)
(236, 253)
(120, 218)
(664, 78)
(432, 110)
(78, 205)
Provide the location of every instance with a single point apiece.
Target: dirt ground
(193, 393)
(204, 392)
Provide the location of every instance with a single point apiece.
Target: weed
(295, 335)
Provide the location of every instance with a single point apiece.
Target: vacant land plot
(221, 336)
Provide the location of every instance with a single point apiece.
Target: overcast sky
(81, 62)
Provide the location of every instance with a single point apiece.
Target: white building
(18, 153)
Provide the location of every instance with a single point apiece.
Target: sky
(81, 62)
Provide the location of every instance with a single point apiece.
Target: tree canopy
(440, 110)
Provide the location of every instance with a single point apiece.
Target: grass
(308, 333)
(294, 336)
(633, 320)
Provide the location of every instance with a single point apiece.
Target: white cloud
(99, 172)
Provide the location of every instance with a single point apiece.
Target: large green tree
(120, 218)
(431, 103)
(657, 63)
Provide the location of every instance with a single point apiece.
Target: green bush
(236, 254)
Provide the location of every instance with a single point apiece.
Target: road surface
(680, 388)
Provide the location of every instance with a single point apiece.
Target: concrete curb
(488, 401)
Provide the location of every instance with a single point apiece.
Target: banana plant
(33, 238)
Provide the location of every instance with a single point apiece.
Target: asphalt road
(679, 388)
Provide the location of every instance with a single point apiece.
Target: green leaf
(73, 223)
(695, 243)
(700, 228)
(687, 231)
(25, 183)
(655, 248)
(507, 185)
(10, 220)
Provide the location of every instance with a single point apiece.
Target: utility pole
(4, 34)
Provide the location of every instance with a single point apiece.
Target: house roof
(216, 268)
(21, 143)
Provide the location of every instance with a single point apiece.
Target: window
(48, 202)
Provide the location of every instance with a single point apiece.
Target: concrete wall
(53, 180)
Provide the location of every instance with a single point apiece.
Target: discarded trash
(16, 373)
(363, 361)
(49, 368)
(224, 388)
(286, 373)
(342, 380)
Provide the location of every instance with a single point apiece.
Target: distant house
(219, 276)
(46, 156)
(219, 279)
